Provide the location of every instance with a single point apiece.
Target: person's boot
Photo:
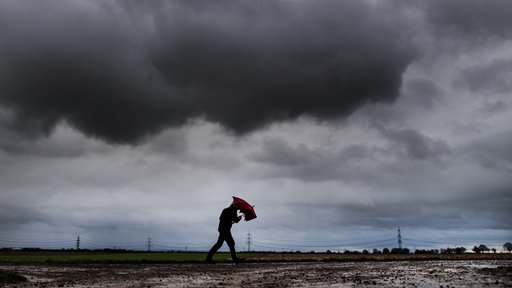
(209, 259)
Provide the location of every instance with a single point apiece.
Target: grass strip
(91, 257)
(111, 258)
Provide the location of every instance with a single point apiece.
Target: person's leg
(231, 244)
(215, 247)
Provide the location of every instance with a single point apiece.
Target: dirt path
(481, 273)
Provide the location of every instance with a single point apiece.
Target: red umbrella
(245, 208)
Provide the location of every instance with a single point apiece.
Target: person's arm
(235, 218)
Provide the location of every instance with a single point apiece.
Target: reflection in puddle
(482, 266)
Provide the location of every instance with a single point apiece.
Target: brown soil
(459, 273)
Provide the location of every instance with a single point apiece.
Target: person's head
(233, 206)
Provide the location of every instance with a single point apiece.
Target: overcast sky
(338, 120)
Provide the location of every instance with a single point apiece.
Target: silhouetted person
(227, 218)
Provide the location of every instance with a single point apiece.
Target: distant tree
(507, 246)
(376, 251)
(399, 251)
(366, 251)
(385, 251)
(422, 251)
(483, 248)
(476, 249)
(452, 250)
(354, 252)
(493, 250)
(460, 250)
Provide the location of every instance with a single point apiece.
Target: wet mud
(439, 274)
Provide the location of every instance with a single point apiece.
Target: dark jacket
(227, 217)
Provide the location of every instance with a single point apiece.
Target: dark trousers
(223, 236)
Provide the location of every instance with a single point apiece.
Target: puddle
(482, 266)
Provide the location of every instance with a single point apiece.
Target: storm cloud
(471, 20)
(339, 120)
(123, 70)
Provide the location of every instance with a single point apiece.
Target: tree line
(461, 250)
(457, 250)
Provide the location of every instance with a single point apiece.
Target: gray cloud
(365, 154)
(405, 155)
(423, 92)
(493, 151)
(472, 20)
(415, 145)
(122, 71)
(280, 153)
(494, 77)
(16, 214)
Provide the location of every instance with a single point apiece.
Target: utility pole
(249, 242)
(78, 243)
(399, 238)
(149, 243)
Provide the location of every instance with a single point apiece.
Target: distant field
(69, 257)
(65, 257)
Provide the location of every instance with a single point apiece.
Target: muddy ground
(475, 273)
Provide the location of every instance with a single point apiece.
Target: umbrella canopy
(245, 208)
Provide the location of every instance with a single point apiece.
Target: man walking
(227, 218)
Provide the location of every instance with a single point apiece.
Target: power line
(150, 244)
